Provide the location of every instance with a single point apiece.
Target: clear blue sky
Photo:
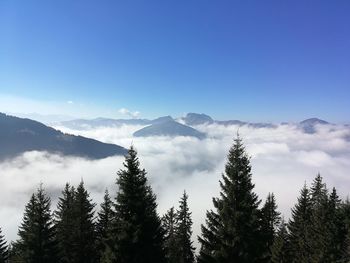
(250, 60)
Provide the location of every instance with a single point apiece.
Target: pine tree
(137, 232)
(169, 224)
(65, 224)
(103, 225)
(334, 227)
(232, 232)
(270, 220)
(344, 230)
(3, 248)
(84, 236)
(14, 253)
(37, 243)
(300, 229)
(279, 249)
(184, 232)
(320, 241)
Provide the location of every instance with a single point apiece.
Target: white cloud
(282, 159)
(132, 114)
(70, 102)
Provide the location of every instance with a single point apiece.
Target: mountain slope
(169, 128)
(19, 135)
(309, 125)
(193, 119)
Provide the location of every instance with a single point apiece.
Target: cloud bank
(282, 159)
(132, 114)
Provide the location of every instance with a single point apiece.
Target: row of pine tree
(128, 229)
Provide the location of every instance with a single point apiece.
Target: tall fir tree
(37, 241)
(334, 227)
(320, 236)
(232, 233)
(280, 249)
(103, 225)
(344, 230)
(137, 231)
(65, 224)
(3, 248)
(169, 224)
(84, 235)
(270, 220)
(300, 229)
(184, 231)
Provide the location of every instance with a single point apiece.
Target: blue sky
(249, 60)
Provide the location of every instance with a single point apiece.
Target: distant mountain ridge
(157, 127)
(18, 135)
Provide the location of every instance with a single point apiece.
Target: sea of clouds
(283, 159)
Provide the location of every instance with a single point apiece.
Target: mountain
(309, 125)
(162, 120)
(19, 135)
(193, 119)
(169, 128)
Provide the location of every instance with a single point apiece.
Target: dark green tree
(270, 220)
(103, 225)
(320, 225)
(84, 235)
(3, 248)
(279, 249)
(137, 231)
(169, 224)
(37, 241)
(65, 224)
(232, 233)
(334, 227)
(300, 228)
(344, 230)
(184, 232)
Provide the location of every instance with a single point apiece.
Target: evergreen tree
(169, 224)
(137, 231)
(3, 248)
(184, 232)
(334, 227)
(344, 230)
(37, 242)
(103, 225)
(270, 220)
(319, 225)
(232, 232)
(279, 249)
(14, 253)
(65, 224)
(84, 236)
(300, 229)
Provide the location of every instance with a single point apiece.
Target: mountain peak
(314, 121)
(309, 125)
(162, 119)
(197, 119)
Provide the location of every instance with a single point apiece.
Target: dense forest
(127, 229)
